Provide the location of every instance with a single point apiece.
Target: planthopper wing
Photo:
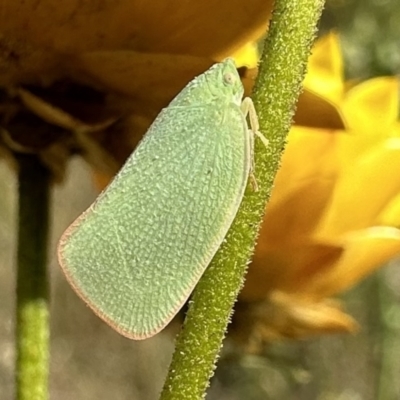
(136, 254)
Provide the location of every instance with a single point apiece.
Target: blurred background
(91, 361)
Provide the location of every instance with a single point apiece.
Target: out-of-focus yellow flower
(105, 69)
(334, 210)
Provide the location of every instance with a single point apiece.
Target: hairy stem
(282, 70)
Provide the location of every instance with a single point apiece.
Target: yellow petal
(372, 107)
(309, 317)
(390, 216)
(316, 111)
(288, 267)
(303, 185)
(286, 316)
(363, 190)
(364, 252)
(325, 69)
(139, 75)
(40, 35)
(247, 55)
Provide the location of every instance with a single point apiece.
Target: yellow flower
(105, 69)
(334, 210)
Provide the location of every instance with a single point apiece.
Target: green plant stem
(282, 70)
(32, 319)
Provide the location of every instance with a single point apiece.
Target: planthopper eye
(229, 78)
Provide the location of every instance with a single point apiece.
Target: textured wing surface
(135, 255)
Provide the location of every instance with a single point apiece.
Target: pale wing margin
(162, 219)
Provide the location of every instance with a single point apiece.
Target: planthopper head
(223, 78)
(220, 83)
